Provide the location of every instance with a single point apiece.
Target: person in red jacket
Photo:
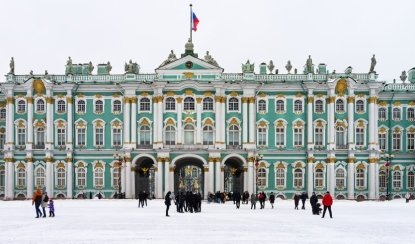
(327, 202)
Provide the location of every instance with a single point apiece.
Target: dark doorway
(234, 175)
(189, 176)
(144, 177)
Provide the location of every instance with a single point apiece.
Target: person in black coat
(313, 202)
(237, 199)
(296, 200)
(167, 201)
(272, 199)
(304, 197)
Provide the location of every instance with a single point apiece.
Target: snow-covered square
(121, 221)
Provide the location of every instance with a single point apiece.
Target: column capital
(179, 99)
(199, 100)
(9, 100)
(310, 160)
(350, 99)
(351, 160)
(331, 160)
(331, 99)
(48, 159)
(373, 99)
(69, 99)
(49, 100)
(29, 159)
(373, 160)
(310, 99)
(251, 99)
(29, 99)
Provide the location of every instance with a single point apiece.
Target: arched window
(298, 178)
(262, 106)
(40, 177)
(170, 103)
(280, 178)
(61, 106)
(340, 178)
(318, 178)
(411, 180)
(382, 114)
(116, 106)
(208, 135)
(170, 135)
(116, 177)
(262, 136)
(145, 135)
(61, 177)
(3, 113)
(40, 106)
(144, 104)
(382, 179)
(396, 114)
(21, 106)
(207, 104)
(360, 106)
(189, 134)
(99, 177)
(319, 106)
(40, 138)
(339, 106)
(360, 178)
(233, 104)
(81, 106)
(99, 106)
(262, 177)
(340, 138)
(21, 177)
(81, 177)
(189, 103)
(234, 135)
(298, 106)
(397, 179)
(280, 106)
(410, 114)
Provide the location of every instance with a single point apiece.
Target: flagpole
(191, 22)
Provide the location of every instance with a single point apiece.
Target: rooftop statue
(248, 67)
(90, 68)
(271, 66)
(348, 70)
(31, 73)
(403, 76)
(171, 58)
(372, 64)
(131, 68)
(47, 75)
(208, 58)
(288, 66)
(109, 67)
(69, 66)
(11, 66)
(309, 65)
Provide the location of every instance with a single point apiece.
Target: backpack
(46, 199)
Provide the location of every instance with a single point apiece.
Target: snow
(120, 221)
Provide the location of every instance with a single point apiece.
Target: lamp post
(257, 158)
(388, 158)
(120, 159)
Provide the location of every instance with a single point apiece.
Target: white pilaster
(310, 176)
(251, 178)
(330, 115)
(222, 179)
(199, 120)
(245, 179)
(29, 183)
(134, 122)
(128, 179)
(11, 173)
(171, 178)
(166, 176)
(211, 180)
(207, 182)
(49, 178)
(156, 183)
(49, 121)
(244, 121)
(350, 178)
(127, 120)
(252, 116)
(69, 114)
(218, 123)
(350, 115)
(372, 125)
(155, 127)
(179, 120)
(218, 181)
(310, 99)
(372, 180)
(331, 178)
(69, 181)
(123, 178)
(159, 191)
(29, 123)
(10, 121)
(159, 122)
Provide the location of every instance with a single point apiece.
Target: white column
(49, 121)
(350, 115)
(128, 179)
(251, 178)
(166, 176)
(372, 125)
(49, 178)
(10, 121)
(218, 115)
(160, 119)
(132, 184)
(244, 121)
(29, 183)
(199, 120)
(159, 179)
(155, 127)
(222, 179)
(252, 115)
(69, 119)
(350, 178)
(29, 122)
(217, 176)
(134, 122)
(310, 176)
(206, 183)
(330, 116)
(211, 180)
(69, 182)
(222, 124)
(372, 180)
(245, 179)
(11, 180)
(179, 120)
(126, 121)
(310, 144)
(171, 178)
(331, 178)
(156, 183)
(123, 177)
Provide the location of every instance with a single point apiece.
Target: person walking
(44, 204)
(167, 201)
(296, 200)
(272, 199)
(253, 200)
(313, 202)
(327, 202)
(303, 197)
(37, 200)
(51, 208)
(407, 197)
(237, 199)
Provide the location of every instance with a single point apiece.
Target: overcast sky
(42, 34)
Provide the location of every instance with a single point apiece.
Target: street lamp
(388, 158)
(119, 160)
(257, 158)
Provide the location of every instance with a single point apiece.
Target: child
(51, 208)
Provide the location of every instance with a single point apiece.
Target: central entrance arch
(233, 175)
(189, 175)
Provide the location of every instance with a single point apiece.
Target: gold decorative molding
(299, 94)
(39, 124)
(299, 124)
(48, 159)
(50, 100)
(144, 94)
(188, 120)
(331, 99)
(69, 160)
(382, 130)
(245, 99)
(360, 123)
(280, 166)
(133, 99)
(170, 121)
(351, 99)
(69, 99)
(411, 103)
(319, 123)
(29, 100)
(262, 124)
(179, 99)
(39, 87)
(382, 103)
(199, 100)
(351, 160)
(60, 165)
(280, 123)
(170, 94)
(188, 75)
(99, 165)
(373, 100)
(188, 92)
(341, 87)
(319, 166)
(208, 121)
(251, 99)
(331, 160)
(361, 166)
(144, 122)
(310, 99)
(373, 160)
(10, 100)
(9, 160)
(280, 96)
(2, 130)
(233, 121)
(233, 94)
(127, 100)
(397, 130)
(361, 95)
(262, 94)
(29, 159)
(298, 165)
(397, 104)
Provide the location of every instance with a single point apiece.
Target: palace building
(190, 126)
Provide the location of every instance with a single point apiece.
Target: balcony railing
(342, 146)
(233, 146)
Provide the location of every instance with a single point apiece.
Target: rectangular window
(411, 141)
(116, 136)
(81, 136)
(99, 136)
(2, 140)
(298, 137)
(319, 136)
(279, 136)
(382, 141)
(81, 177)
(360, 135)
(61, 136)
(21, 136)
(262, 136)
(396, 139)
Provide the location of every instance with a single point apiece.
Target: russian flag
(195, 21)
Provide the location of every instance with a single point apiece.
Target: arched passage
(233, 175)
(189, 175)
(144, 174)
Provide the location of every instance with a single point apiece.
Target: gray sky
(42, 34)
